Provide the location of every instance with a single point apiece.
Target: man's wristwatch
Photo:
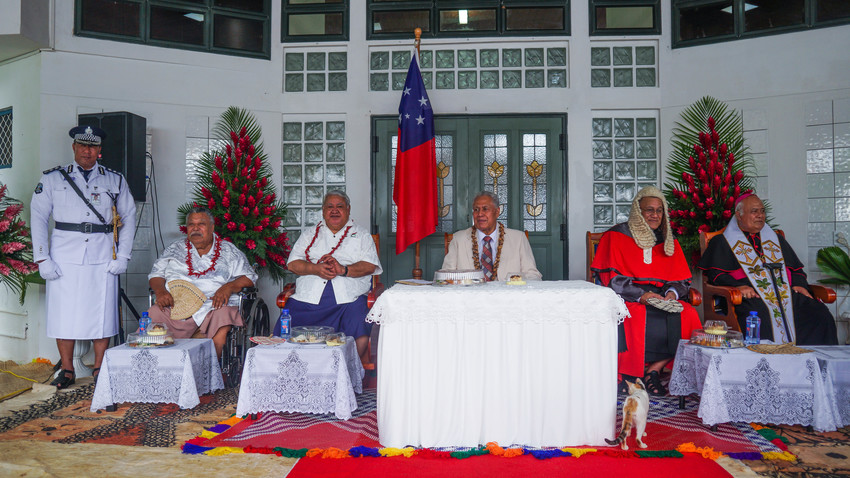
(346, 271)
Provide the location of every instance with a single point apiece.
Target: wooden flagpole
(417, 269)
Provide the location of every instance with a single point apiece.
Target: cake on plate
(458, 277)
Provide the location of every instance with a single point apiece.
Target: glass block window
(697, 22)
(6, 138)
(198, 142)
(314, 20)
(445, 149)
(534, 181)
(314, 71)
(624, 66)
(828, 174)
(313, 163)
(542, 66)
(625, 159)
(452, 18)
(496, 169)
(218, 26)
(625, 17)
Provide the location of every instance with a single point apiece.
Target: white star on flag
(407, 91)
(420, 120)
(423, 101)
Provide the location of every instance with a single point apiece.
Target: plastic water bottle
(753, 329)
(144, 323)
(282, 328)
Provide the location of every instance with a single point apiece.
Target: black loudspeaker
(124, 147)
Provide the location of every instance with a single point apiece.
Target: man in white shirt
(334, 261)
(216, 267)
(490, 246)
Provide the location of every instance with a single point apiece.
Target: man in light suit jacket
(490, 246)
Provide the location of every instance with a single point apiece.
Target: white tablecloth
(301, 378)
(834, 362)
(177, 374)
(527, 365)
(739, 385)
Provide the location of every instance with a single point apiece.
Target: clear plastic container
(310, 334)
(731, 339)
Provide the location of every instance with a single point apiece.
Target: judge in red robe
(645, 265)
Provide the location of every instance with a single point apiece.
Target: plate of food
(310, 335)
(335, 339)
(156, 336)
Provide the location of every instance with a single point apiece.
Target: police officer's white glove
(117, 266)
(49, 270)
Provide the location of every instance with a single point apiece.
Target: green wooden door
(521, 159)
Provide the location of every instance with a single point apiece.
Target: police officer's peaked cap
(87, 135)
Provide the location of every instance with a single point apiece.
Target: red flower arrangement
(706, 172)
(15, 246)
(234, 184)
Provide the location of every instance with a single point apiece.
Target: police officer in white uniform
(78, 264)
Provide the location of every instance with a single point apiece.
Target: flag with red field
(415, 188)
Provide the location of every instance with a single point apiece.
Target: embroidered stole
(760, 278)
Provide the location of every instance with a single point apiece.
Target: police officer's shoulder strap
(81, 195)
(48, 171)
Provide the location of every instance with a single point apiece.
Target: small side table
(177, 374)
(308, 378)
(739, 385)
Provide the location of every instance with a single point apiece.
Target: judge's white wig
(641, 232)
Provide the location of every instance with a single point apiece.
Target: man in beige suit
(490, 246)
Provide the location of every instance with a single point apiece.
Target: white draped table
(739, 385)
(532, 365)
(306, 378)
(176, 374)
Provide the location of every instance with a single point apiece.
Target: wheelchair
(255, 314)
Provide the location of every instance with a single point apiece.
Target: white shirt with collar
(494, 241)
(355, 247)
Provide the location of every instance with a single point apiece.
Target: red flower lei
(216, 255)
(316, 234)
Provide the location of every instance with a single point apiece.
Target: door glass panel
(534, 182)
(445, 182)
(495, 148)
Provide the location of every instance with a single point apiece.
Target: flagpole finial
(417, 34)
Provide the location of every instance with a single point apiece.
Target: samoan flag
(415, 187)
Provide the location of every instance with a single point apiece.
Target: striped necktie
(487, 258)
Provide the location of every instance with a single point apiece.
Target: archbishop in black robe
(814, 324)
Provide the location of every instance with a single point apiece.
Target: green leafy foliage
(834, 262)
(235, 184)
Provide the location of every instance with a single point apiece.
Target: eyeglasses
(650, 212)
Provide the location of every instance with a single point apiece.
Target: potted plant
(16, 265)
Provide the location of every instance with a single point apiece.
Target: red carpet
(489, 466)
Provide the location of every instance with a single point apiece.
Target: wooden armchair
(721, 300)
(376, 290)
(592, 241)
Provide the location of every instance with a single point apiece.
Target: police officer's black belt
(85, 228)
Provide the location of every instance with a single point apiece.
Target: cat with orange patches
(635, 412)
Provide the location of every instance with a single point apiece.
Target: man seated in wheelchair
(334, 261)
(215, 270)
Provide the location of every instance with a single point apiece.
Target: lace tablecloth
(527, 365)
(738, 385)
(301, 378)
(177, 374)
(834, 362)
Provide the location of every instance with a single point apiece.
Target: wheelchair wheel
(233, 356)
(261, 323)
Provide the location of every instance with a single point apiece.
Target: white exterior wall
(771, 79)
